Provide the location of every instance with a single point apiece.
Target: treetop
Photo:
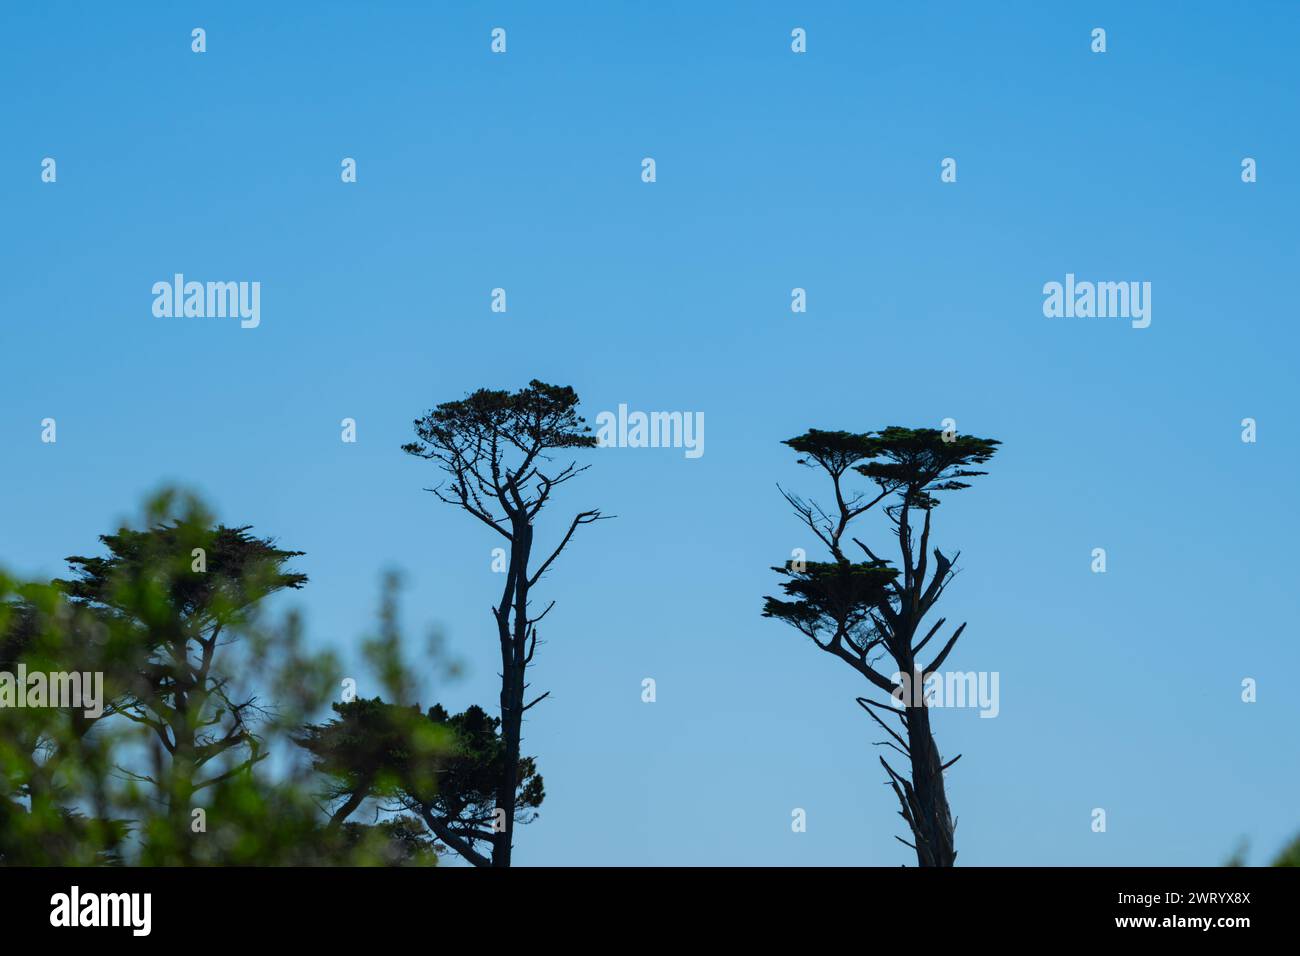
(912, 461)
(539, 416)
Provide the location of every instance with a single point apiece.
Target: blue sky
(774, 171)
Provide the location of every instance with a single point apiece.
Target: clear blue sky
(775, 170)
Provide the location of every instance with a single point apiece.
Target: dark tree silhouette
(439, 768)
(861, 612)
(183, 590)
(495, 446)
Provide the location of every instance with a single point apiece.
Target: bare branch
(537, 701)
(943, 654)
(937, 624)
(866, 705)
(584, 517)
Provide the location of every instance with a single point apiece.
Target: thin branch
(867, 705)
(584, 517)
(943, 654)
(537, 701)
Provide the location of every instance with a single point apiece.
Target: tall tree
(496, 447)
(861, 612)
(184, 588)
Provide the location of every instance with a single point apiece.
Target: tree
(1288, 856)
(441, 769)
(861, 612)
(51, 764)
(495, 447)
(183, 589)
(76, 786)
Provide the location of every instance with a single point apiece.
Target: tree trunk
(511, 727)
(514, 639)
(932, 825)
(181, 789)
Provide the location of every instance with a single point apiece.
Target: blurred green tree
(184, 588)
(199, 687)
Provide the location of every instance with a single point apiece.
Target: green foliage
(378, 749)
(1290, 855)
(539, 416)
(182, 590)
(199, 688)
(919, 462)
(464, 789)
(181, 576)
(835, 452)
(442, 768)
(832, 597)
(56, 762)
(912, 462)
(400, 841)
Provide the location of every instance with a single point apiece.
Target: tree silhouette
(441, 769)
(495, 447)
(861, 612)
